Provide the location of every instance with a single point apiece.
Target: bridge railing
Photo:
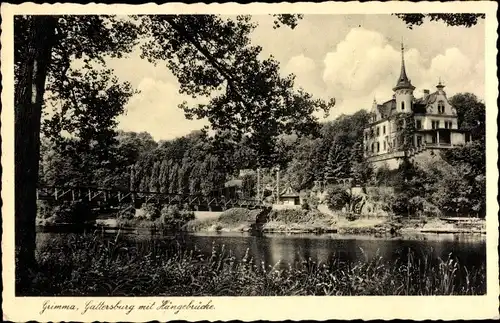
(113, 196)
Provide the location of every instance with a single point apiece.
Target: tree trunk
(28, 108)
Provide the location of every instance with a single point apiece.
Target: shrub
(399, 205)
(337, 197)
(236, 216)
(421, 207)
(174, 218)
(296, 216)
(151, 211)
(77, 212)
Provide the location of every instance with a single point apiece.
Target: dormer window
(402, 105)
(441, 107)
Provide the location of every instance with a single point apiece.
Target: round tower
(403, 91)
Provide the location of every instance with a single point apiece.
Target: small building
(289, 197)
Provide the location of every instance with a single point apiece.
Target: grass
(92, 265)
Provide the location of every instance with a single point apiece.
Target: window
(440, 107)
(435, 124)
(373, 147)
(419, 124)
(402, 105)
(385, 146)
(419, 141)
(378, 146)
(383, 130)
(448, 124)
(378, 131)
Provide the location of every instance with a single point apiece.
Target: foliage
(310, 202)
(338, 163)
(362, 171)
(235, 216)
(212, 56)
(78, 212)
(385, 176)
(174, 218)
(296, 216)
(152, 211)
(451, 19)
(99, 266)
(471, 114)
(337, 197)
(400, 204)
(249, 185)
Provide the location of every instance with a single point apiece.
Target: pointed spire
(403, 81)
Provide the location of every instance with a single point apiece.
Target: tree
(338, 164)
(361, 170)
(249, 185)
(451, 19)
(209, 55)
(471, 113)
(43, 49)
(212, 56)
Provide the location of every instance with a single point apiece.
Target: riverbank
(93, 265)
(302, 221)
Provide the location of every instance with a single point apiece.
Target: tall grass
(93, 265)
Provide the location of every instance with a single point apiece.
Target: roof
(403, 81)
(289, 192)
(386, 108)
(233, 182)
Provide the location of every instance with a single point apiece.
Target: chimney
(426, 94)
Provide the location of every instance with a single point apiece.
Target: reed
(92, 265)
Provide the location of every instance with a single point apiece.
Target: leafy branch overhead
(451, 19)
(213, 57)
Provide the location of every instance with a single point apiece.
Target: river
(470, 250)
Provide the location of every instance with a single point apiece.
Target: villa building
(435, 120)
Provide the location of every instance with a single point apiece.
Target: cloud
(365, 65)
(307, 74)
(156, 111)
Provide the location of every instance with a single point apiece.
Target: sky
(352, 58)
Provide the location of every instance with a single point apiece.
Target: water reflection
(469, 249)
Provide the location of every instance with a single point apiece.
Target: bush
(295, 216)
(236, 216)
(421, 207)
(337, 197)
(399, 205)
(174, 218)
(77, 212)
(151, 211)
(310, 202)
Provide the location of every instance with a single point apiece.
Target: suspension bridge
(105, 198)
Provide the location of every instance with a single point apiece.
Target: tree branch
(213, 61)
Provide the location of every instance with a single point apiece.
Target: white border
(258, 308)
